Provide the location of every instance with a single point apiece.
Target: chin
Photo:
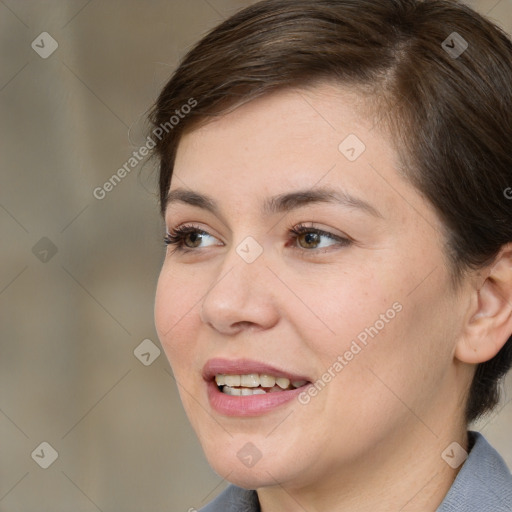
(248, 468)
(247, 478)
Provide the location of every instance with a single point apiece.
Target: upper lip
(218, 366)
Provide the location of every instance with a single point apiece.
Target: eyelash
(177, 236)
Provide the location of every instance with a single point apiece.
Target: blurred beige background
(78, 273)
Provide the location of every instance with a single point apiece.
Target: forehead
(291, 115)
(290, 139)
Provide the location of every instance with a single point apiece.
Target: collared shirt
(484, 484)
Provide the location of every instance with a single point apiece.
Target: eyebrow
(280, 203)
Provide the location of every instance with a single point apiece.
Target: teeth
(232, 380)
(232, 391)
(242, 391)
(267, 381)
(253, 380)
(282, 382)
(250, 381)
(254, 384)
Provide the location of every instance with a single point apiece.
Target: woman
(336, 298)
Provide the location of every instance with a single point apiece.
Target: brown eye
(309, 240)
(189, 238)
(192, 240)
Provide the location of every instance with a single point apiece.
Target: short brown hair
(448, 107)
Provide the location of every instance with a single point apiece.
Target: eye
(189, 237)
(307, 237)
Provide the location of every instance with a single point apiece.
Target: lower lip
(252, 405)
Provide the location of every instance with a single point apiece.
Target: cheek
(344, 306)
(176, 305)
(375, 329)
(405, 359)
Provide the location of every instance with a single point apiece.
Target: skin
(372, 439)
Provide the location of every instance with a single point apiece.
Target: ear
(489, 325)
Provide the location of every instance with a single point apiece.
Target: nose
(241, 297)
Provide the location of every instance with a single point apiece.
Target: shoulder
(484, 483)
(234, 499)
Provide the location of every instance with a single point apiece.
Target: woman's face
(307, 257)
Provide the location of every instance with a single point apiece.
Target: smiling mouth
(255, 384)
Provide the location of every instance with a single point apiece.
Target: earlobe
(489, 324)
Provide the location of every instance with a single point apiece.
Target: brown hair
(448, 108)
